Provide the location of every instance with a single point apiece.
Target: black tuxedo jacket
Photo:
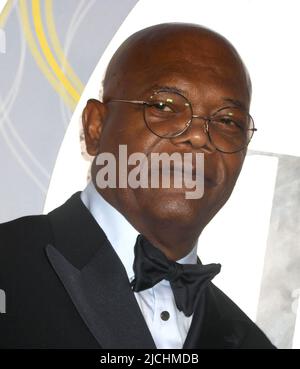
(66, 288)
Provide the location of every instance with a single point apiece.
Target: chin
(170, 205)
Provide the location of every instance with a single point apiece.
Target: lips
(190, 171)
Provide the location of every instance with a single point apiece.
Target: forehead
(193, 80)
(201, 65)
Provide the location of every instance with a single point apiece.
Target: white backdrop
(2, 4)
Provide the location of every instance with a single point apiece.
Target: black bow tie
(187, 281)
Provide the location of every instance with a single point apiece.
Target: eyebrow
(168, 89)
(235, 102)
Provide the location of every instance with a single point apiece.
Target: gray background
(34, 119)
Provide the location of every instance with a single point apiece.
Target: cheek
(233, 164)
(117, 129)
(126, 127)
(230, 166)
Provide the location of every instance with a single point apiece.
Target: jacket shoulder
(253, 336)
(23, 231)
(22, 242)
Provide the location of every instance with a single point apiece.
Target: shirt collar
(120, 233)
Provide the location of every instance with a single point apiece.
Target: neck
(174, 238)
(175, 242)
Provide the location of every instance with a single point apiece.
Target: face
(206, 70)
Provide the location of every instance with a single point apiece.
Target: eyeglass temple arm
(130, 101)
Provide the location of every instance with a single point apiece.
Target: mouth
(189, 172)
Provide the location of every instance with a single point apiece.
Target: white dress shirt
(169, 330)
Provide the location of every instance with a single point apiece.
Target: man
(80, 277)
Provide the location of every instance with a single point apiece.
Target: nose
(196, 136)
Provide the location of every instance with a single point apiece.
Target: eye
(159, 105)
(227, 121)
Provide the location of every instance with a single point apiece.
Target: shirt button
(165, 315)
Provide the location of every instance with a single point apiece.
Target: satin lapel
(95, 279)
(214, 325)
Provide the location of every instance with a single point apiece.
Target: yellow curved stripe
(39, 59)
(57, 47)
(5, 12)
(47, 52)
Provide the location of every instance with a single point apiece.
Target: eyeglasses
(170, 114)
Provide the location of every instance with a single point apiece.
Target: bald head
(176, 48)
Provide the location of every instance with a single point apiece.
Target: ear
(92, 120)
